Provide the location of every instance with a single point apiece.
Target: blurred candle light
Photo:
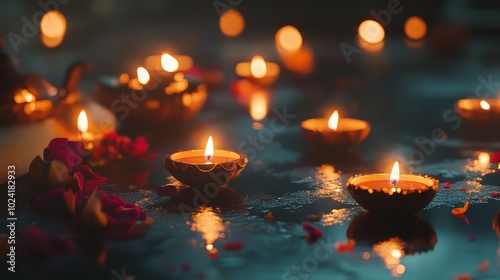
(288, 39)
(231, 23)
(371, 31)
(258, 67)
(484, 159)
(82, 123)
(169, 63)
(24, 96)
(258, 70)
(485, 105)
(300, 62)
(143, 75)
(53, 28)
(258, 106)
(415, 28)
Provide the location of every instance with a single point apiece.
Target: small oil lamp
(393, 193)
(335, 131)
(199, 168)
(89, 139)
(258, 71)
(479, 111)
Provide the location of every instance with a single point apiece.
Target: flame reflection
(210, 225)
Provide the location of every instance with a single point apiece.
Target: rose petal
(52, 203)
(495, 158)
(54, 146)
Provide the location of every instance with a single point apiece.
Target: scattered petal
(166, 190)
(313, 233)
(465, 276)
(234, 246)
(495, 194)
(460, 210)
(92, 212)
(314, 218)
(185, 267)
(345, 247)
(495, 158)
(447, 185)
(269, 216)
(464, 189)
(472, 237)
(213, 254)
(37, 245)
(484, 266)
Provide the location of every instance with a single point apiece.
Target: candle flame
(143, 75)
(209, 149)
(333, 122)
(371, 31)
(258, 106)
(484, 159)
(169, 63)
(394, 178)
(485, 105)
(258, 67)
(83, 123)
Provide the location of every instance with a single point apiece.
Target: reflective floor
(406, 94)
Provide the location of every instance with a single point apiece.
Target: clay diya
(258, 70)
(393, 193)
(205, 168)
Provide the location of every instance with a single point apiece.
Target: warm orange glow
(485, 105)
(143, 75)
(209, 149)
(123, 78)
(394, 178)
(415, 28)
(371, 31)
(24, 96)
(484, 159)
(258, 66)
(210, 225)
(333, 122)
(82, 123)
(400, 269)
(53, 24)
(169, 63)
(396, 254)
(258, 106)
(231, 23)
(288, 38)
(300, 62)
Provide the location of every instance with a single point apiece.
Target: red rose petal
(447, 185)
(234, 246)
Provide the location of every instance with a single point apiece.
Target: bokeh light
(53, 28)
(231, 23)
(415, 28)
(288, 38)
(371, 31)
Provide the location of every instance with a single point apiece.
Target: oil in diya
(205, 168)
(393, 193)
(335, 131)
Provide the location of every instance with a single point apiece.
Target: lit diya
(393, 193)
(202, 168)
(258, 70)
(335, 131)
(479, 111)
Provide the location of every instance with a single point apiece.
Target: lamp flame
(209, 149)
(394, 178)
(333, 122)
(143, 75)
(258, 66)
(169, 63)
(371, 31)
(485, 105)
(82, 123)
